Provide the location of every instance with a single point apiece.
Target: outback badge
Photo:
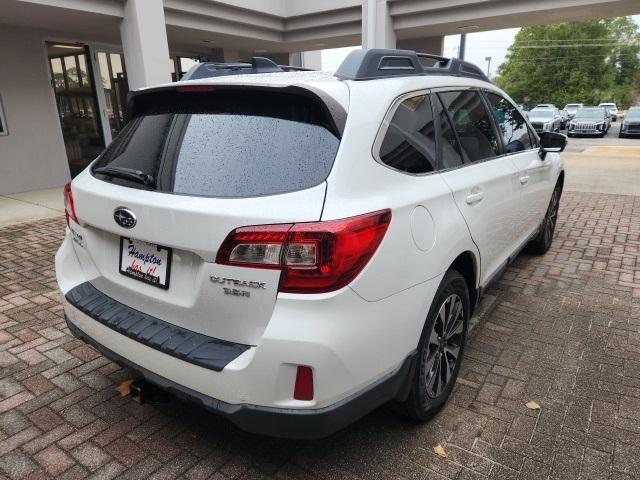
(228, 283)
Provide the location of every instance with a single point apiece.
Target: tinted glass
(409, 144)
(633, 113)
(226, 144)
(472, 124)
(590, 113)
(511, 126)
(450, 156)
(546, 113)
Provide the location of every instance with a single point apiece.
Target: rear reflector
(303, 389)
(69, 204)
(314, 257)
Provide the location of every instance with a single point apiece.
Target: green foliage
(589, 62)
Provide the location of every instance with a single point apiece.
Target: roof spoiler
(385, 63)
(256, 65)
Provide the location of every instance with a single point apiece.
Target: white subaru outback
(294, 249)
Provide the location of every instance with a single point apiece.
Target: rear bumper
(178, 342)
(281, 422)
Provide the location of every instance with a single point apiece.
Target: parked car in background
(590, 121)
(612, 108)
(545, 105)
(564, 118)
(294, 249)
(545, 119)
(630, 126)
(572, 109)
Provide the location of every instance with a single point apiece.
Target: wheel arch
(467, 265)
(561, 180)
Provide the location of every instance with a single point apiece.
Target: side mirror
(552, 142)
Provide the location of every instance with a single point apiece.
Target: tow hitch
(142, 391)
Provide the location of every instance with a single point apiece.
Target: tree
(589, 62)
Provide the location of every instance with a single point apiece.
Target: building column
(433, 45)
(144, 41)
(377, 25)
(312, 59)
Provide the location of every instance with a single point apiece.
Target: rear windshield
(224, 143)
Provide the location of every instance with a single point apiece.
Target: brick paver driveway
(565, 332)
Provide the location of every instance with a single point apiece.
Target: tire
(542, 242)
(435, 376)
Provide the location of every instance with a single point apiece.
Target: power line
(604, 39)
(577, 45)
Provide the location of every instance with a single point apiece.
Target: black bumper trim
(192, 347)
(281, 422)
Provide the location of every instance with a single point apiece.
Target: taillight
(69, 204)
(314, 257)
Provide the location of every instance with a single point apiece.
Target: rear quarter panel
(359, 184)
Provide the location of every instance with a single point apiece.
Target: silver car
(572, 109)
(545, 119)
(590, 121)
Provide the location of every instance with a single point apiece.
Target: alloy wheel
(444, 345)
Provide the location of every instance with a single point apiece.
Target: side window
(511, 125)
(409, 144)
(450, 156)
(472, 123)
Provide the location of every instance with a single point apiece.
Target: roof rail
(383, 63)
(218, 69)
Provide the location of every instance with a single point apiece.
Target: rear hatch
(193, 164)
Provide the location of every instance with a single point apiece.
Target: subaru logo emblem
(124, 217)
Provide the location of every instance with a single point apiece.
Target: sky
(480, 45)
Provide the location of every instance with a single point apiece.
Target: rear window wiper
(128, 174)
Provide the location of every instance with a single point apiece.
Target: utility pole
(488, 60)
(463, 46)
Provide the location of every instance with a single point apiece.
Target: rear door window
(511, 125)
(225, 144)
(472, 124)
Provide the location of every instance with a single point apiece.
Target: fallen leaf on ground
(439, 451)
(532, 405)
(124, 388)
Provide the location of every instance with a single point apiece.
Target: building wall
(32, 156)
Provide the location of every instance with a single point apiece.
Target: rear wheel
(542, 242)
(440, 349)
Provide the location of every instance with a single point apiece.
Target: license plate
(144, 261)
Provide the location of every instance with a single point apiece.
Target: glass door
(72, 81)
(113, 77)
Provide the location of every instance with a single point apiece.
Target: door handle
(474, 198)
(524, 179)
